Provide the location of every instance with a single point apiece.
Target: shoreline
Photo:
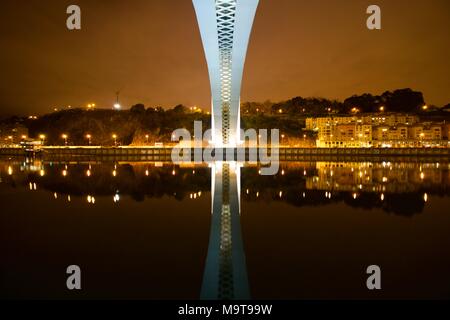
(249, 154)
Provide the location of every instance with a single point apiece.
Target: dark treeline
(141, 125)
(402, 100)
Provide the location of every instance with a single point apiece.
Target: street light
(42, 137)
(422, 135)
(114, 136)
(64, 136)
(146, 138)
(88, 136)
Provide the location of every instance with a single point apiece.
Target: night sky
(151, 51)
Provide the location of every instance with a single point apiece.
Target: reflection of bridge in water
(225, 275)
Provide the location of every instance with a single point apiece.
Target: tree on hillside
(138, 108)
(180, 109)
(363, 103)
(403, 100)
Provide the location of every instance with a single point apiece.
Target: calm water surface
(160, 231)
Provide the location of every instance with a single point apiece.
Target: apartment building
(377, 130)
(352, 135)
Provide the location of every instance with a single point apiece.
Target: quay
(283, 153)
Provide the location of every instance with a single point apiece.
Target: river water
(152, 230)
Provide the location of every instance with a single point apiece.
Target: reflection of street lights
(114, 136)
(88, 136)
(64, 136)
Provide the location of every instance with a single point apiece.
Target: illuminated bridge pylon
(225, 27)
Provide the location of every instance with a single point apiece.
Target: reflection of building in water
(375, 177)
(31, 165)
(225, 275)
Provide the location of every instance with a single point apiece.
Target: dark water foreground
(161, 231)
